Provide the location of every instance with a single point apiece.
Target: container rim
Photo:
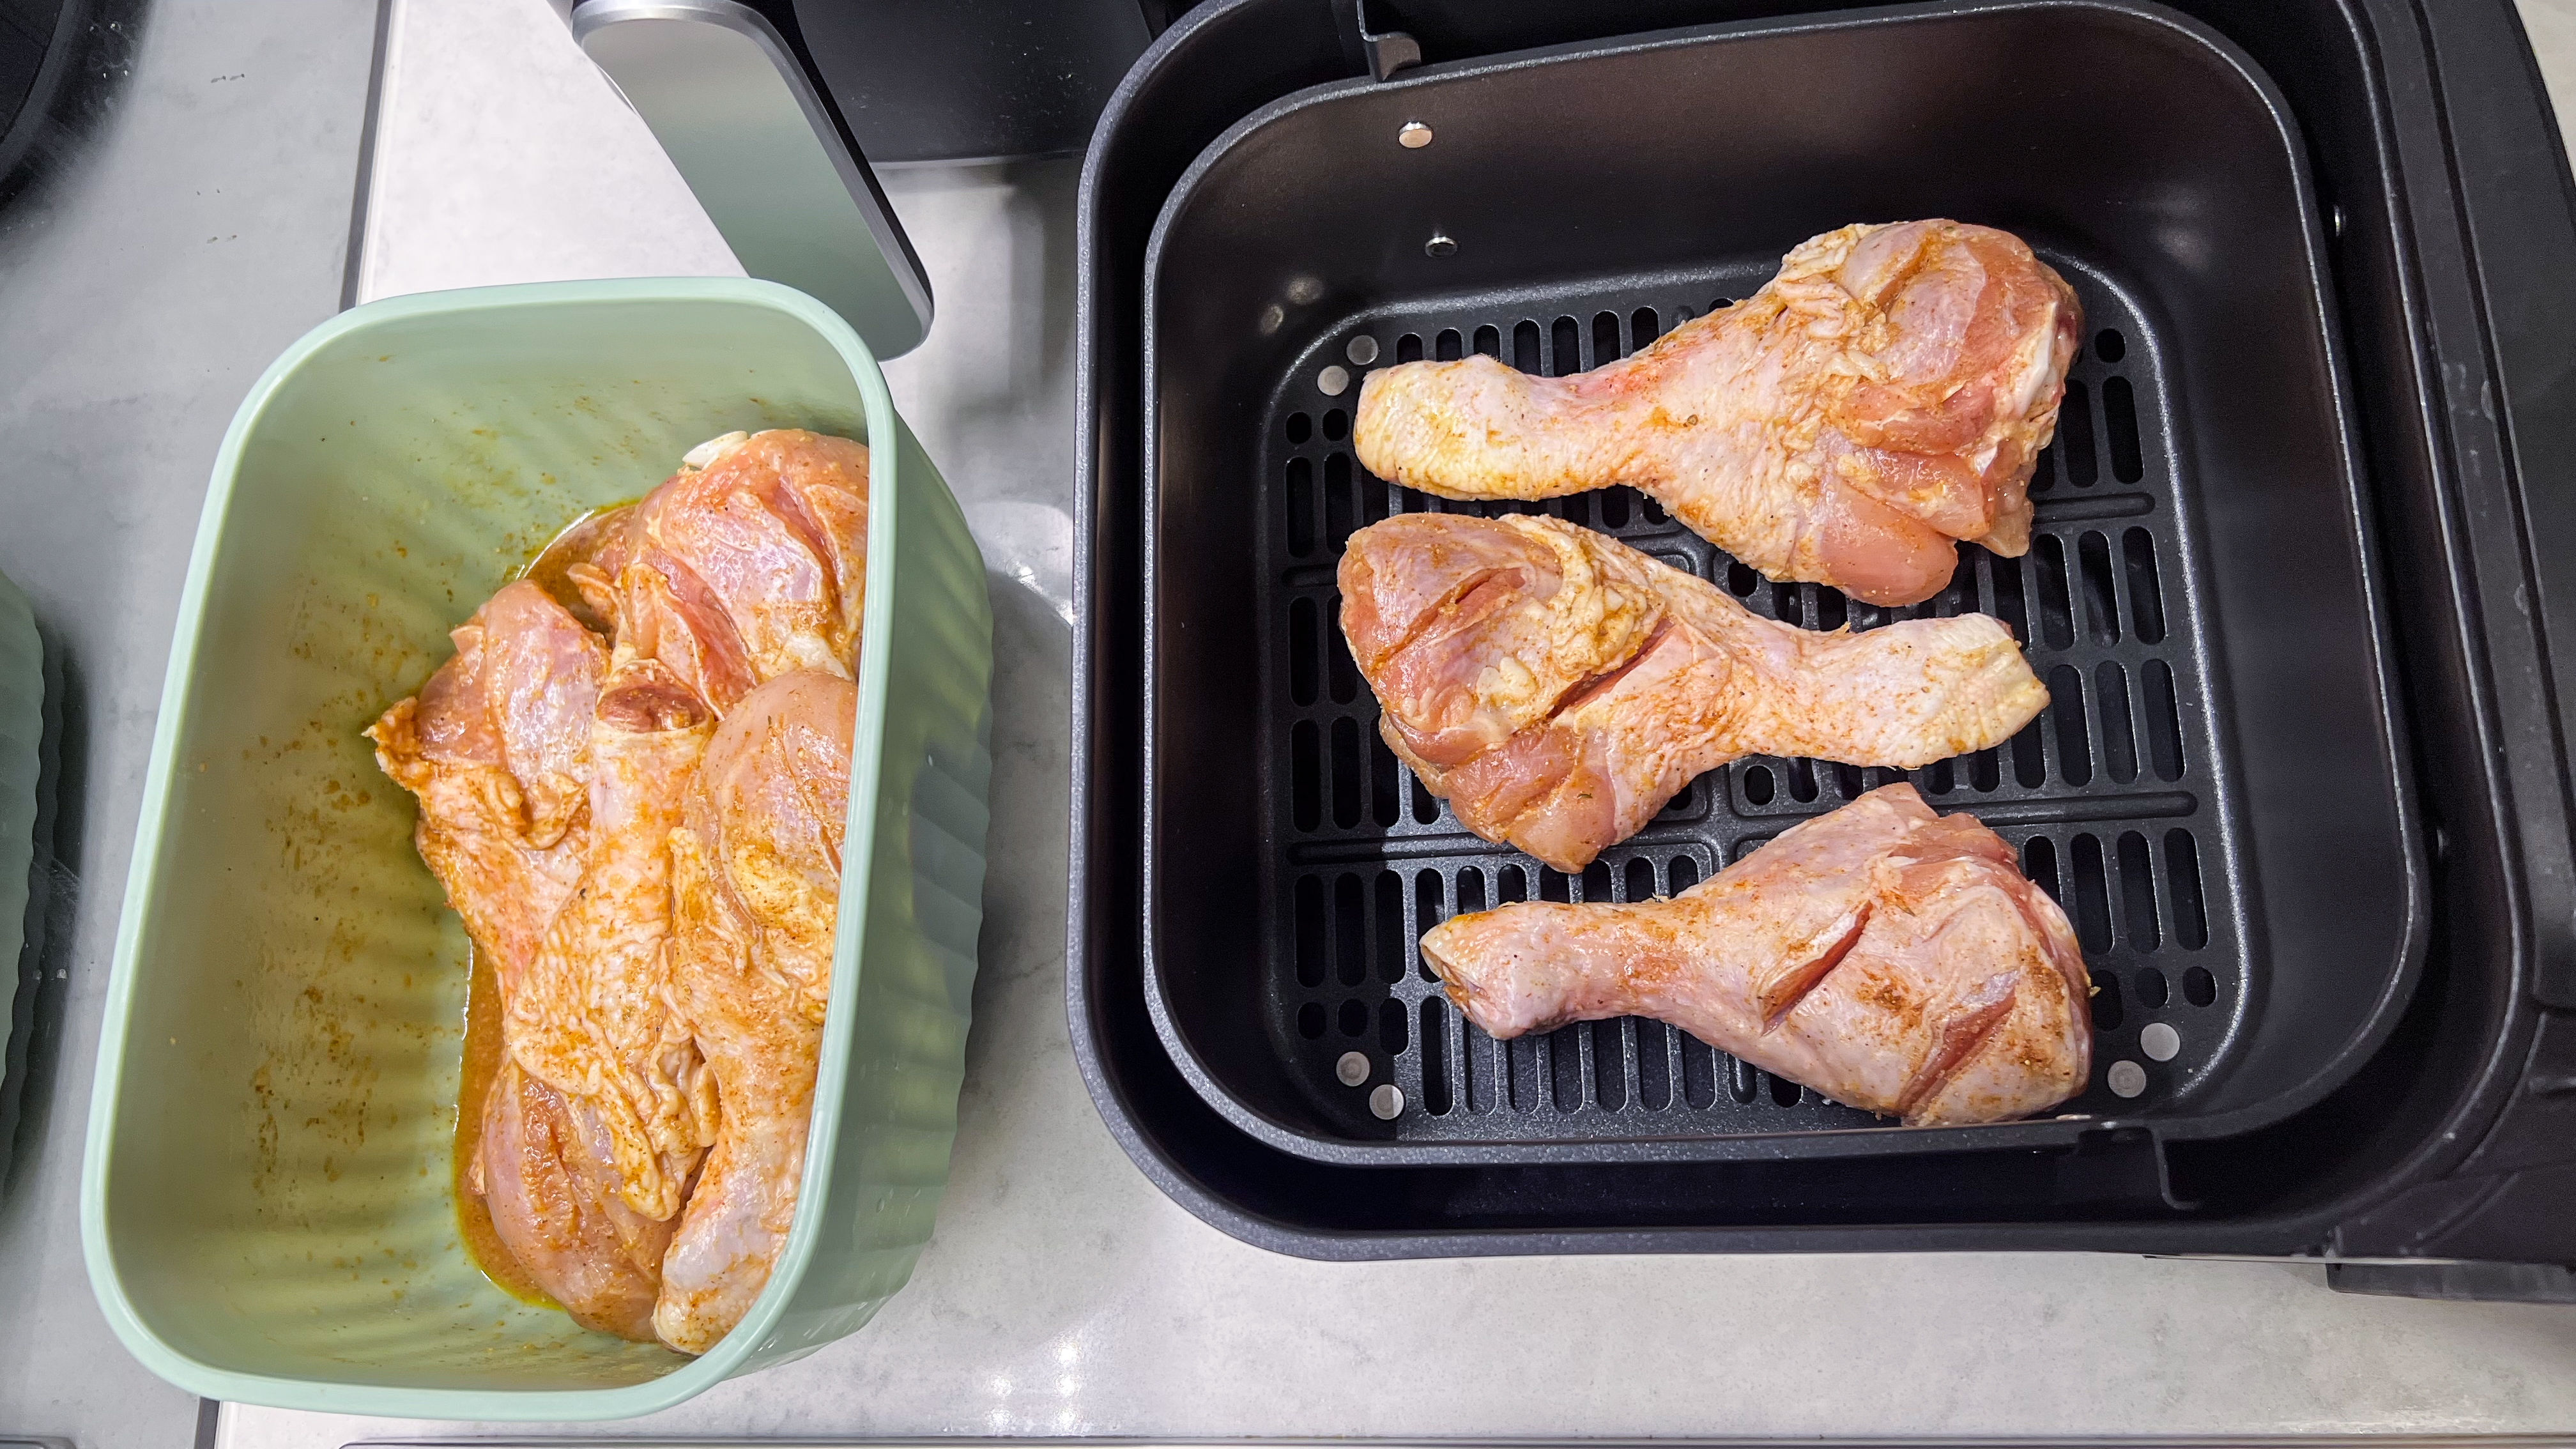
(754, 1335)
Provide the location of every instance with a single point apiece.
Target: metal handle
(1385, 51)
(767, 155)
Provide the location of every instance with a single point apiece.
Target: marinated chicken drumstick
(497, 748)
(593, 1015)
(1557, 687)
(757, 875)
(748, 564)
(1890, 958)
(547, 1173)
(551, 771)
(1886, 393)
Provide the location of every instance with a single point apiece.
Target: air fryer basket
(2179, 793)
(2444, 194)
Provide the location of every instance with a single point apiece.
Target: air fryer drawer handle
(766, 152)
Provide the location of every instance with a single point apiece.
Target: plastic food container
(267, 1209)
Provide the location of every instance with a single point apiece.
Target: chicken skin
(555, 772)
(594, 1017)
(1886, 393)
(547, 1172)
(497, 748)
(1893, 959)
(1557, 687)
(747, 565)
(757, 874)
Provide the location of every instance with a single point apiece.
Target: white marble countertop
(1063, 1294)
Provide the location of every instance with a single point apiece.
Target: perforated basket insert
(2109, 795)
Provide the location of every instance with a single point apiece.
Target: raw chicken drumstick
(756, 871)
(497, 746)
(1890, 958)
(548, 1175)
(747, 564)
(1557, 687)
(592, 1016)
(1887, 392)
(551, 771)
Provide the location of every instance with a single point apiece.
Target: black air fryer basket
(2298, 789)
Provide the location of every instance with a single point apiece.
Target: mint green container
(266, 1203)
